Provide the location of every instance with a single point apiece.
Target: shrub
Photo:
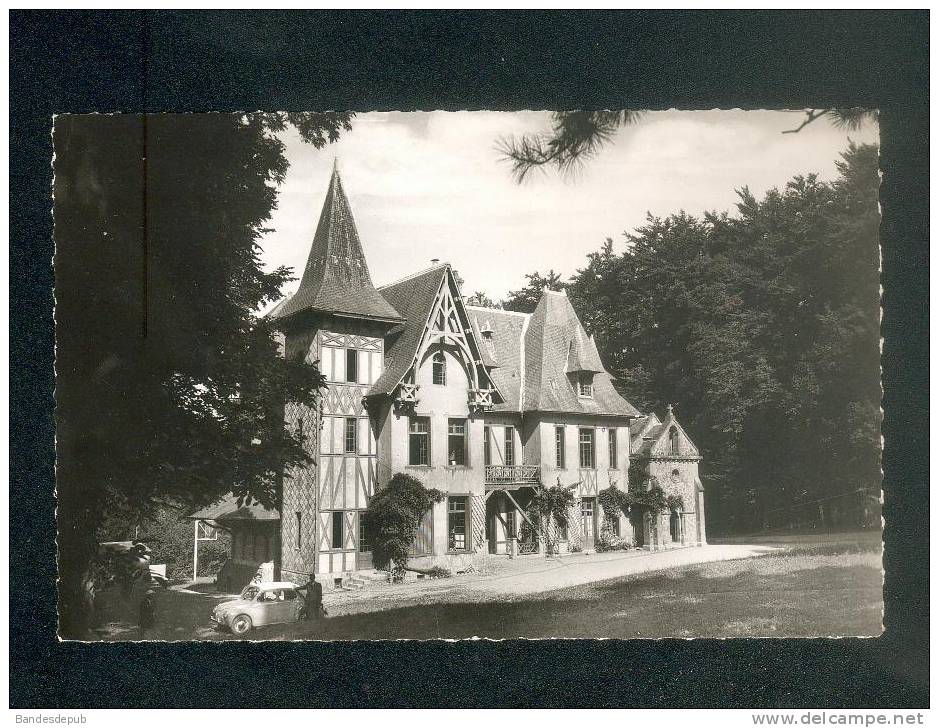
(392, 518)
(607, 540)
(551, 504)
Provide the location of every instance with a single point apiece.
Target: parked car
(271, 602)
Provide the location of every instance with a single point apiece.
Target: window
(299, 530)
(352, 434)
(614, 526)
(585, 384)
(586, 448)
(336, 541)
(364, 545)
(419, 441)
(352, 365)
(559, 447)
(439, 365)
(456, 523)
(510, 446)
(614, 460)
(456, 442)
(562, 533)
(487, 445)
(673, 448)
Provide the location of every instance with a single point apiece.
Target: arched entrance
(674, 527)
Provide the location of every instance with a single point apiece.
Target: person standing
(147, 617)
(313, 599)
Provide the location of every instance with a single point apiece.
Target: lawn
(816, 590)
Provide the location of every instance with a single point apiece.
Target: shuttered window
(559, 447)
(614, 459)
(510, 446)
(336, 541)
(586, 448)
(419, 441)
(456, 442)
(352, 365)
(456, 523)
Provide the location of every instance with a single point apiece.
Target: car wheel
(241, 624)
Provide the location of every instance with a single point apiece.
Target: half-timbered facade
(485, 405)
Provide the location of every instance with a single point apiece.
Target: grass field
(811, 588)
(816, 590)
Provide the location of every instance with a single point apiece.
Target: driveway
(501, 578)
(577, 569)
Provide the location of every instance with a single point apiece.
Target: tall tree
(763, 327)
(169, 388)
(526, 299)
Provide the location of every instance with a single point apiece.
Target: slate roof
(414, 297)
(650, 436)
(582, 354)
(504, 350)
(552, 331)
(227, 509)
(546, 341)
(336, 277)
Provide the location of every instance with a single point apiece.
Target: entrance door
(674, 527)
(589, 520)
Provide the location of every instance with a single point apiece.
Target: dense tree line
(169, 388)
(762, 327)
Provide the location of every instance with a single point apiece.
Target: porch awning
(227, 509)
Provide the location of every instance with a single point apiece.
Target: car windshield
(249, 593)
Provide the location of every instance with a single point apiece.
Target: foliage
(482, 300)
(764, 326)
(851, 118)
(607, 540)
(614, 502)
(392, 518)
(577, 136)
(675, 503)
(169, 388)
(526, 299)
(550, 510)
(652, 500)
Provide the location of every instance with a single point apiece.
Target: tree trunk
(78, 516)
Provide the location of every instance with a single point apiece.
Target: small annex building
(483, 404)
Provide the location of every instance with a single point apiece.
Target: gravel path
(507, 579)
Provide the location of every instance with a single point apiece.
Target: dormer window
(585, 384)
(439, 365)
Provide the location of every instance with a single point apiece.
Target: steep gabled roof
(417, 298)
(414, 297)
(552, 334)
(582, 355)
(650, 437)
(336, 277)
(508, 330)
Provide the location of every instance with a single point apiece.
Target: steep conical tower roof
(336, 279)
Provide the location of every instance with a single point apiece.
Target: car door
(284, 608)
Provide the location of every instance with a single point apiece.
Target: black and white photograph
(480, 374)
(469, 359)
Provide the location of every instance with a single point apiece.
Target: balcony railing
(501, 474)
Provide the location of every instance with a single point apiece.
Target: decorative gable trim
(449, 322)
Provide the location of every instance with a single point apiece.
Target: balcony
(500, 475)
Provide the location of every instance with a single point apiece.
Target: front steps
(358, 580)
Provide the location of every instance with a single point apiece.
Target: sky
(427, 185)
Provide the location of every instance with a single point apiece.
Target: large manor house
(484, 404)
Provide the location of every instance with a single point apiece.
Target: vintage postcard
(432, 375)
